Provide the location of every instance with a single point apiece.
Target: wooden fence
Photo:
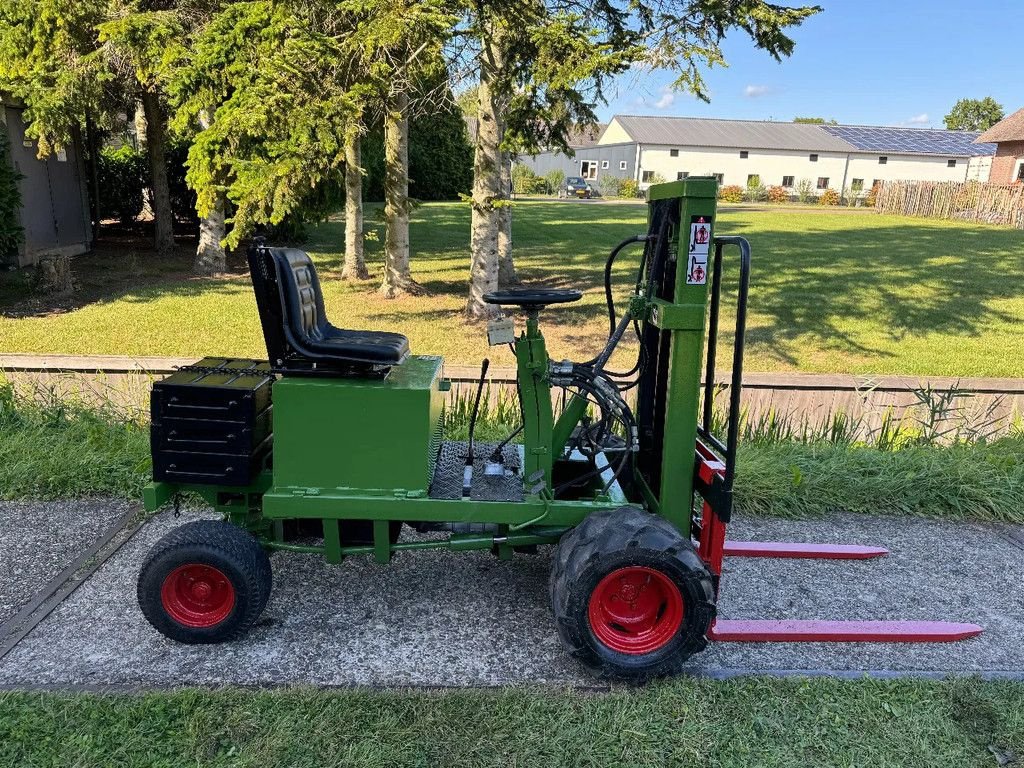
(966, 200)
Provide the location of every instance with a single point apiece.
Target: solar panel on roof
(910, 140)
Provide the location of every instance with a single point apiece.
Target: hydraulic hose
(612, 320)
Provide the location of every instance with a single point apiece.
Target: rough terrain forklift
(335, 442)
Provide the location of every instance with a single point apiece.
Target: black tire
(205, 582)
(634, 542)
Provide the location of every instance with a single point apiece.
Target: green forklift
(334, 445)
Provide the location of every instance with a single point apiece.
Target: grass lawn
(832, 292)
(748, 722)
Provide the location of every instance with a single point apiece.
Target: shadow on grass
(816, 280)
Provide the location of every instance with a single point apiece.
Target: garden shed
(54, 210)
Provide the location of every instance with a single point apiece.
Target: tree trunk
(355, 263)
(397, 278)
(156, 141)
(506, 266)
(487, 189)
(210, 256)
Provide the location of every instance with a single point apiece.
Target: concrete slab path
(448, 619)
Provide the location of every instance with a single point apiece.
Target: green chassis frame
(538, 519)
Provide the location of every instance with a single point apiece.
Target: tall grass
(52, 446)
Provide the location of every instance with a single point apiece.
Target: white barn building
(780, 154)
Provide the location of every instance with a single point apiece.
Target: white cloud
(666, 100)
(921, 119)
(753, 91)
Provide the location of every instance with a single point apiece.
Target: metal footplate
(450, 468)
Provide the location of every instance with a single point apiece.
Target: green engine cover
(380, 436)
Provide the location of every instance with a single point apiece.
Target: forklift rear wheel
(205, 582)
(631, 597)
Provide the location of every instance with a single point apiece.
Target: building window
(1020, 172)
(787, 181)
(622, 165)
(604, 164)
(951, 163)
(814, 157)
(673, 153)
(753, 180)
(588, 169)
(682, 175)
(882, 160)
(719, 177)
(876, 183)
(823, 182)
(744, 154)
(857, 185)
(647, 176)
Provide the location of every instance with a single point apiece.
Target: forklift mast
(684, 268)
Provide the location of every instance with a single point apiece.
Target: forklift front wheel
(631, 597)
(205, 582)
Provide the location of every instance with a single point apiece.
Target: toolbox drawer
(212, 422)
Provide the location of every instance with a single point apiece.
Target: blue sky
(868, 62)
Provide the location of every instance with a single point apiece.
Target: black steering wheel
(532, 298)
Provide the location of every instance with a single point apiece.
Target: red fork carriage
(714, 476)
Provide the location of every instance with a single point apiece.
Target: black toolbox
(212, 422)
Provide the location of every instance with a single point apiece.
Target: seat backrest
(300, 289)
(263, 272)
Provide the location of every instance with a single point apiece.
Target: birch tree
(397, 274)
(211, 258)
(355, 261)
(544, 66)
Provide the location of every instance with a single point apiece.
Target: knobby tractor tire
(631, 597)
(205, 582)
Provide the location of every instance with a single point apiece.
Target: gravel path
(37, 541)
(441, 618)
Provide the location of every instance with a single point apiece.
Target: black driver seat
(295, 326)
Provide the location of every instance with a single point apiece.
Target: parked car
(576, 186)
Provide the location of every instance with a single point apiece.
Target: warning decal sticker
(700, 246)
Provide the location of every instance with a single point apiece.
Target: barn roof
(760, 134)
(1008, 129)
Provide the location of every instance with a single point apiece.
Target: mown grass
(56, 449)
(848, 293)
(745, 722)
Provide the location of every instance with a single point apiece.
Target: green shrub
(872, 197)
(805, 190)
(123, 177)
(732, 193)
(554, 180)
(11, 232)
(440, 154)
(183, 199)
(526, 182)
(629, 188)
(755, 191)
(829, 197)
(777, 195)
(609, 186)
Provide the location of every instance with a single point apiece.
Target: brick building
(1008, 136)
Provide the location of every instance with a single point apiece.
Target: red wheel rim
(197, 595)
(635, 610)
